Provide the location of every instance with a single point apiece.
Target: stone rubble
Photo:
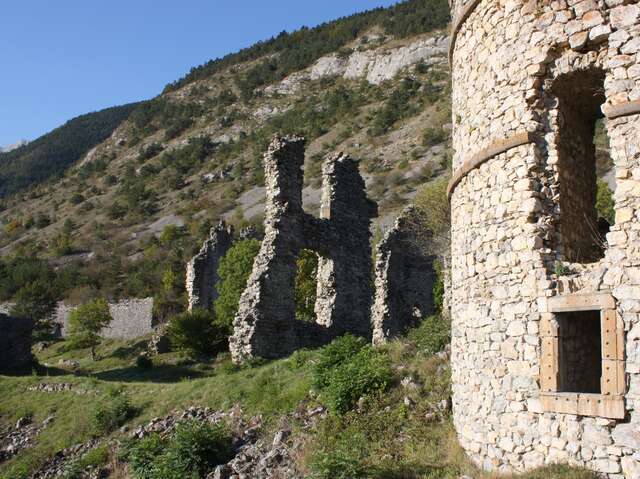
(23, 436)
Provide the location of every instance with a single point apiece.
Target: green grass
(386, 440)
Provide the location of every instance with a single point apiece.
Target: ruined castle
(265, 325)
(545, 295)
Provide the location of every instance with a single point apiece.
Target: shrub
(111, 413)
(234, 270)
(144, 362)
(337, 352)
(192, 451)
(349, 369)
(433, 334)
(604, 202)
(76, 199)
(195, 332)
(433, 136)
(306, 285)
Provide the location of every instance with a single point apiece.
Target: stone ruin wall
(202, 270)
(265, 325)
(404, 278)
(132, 318)
(15, 345)
(512, 171)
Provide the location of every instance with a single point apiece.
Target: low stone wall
(132, 318)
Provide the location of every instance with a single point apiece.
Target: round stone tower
(546, 291)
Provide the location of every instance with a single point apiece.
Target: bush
(195, 332)
(306, 285)
(605, 205)
(434, 136)
(432, 335)
(193, 450)
(111, 414)
(76, 199)
(349, 369)
(337, 352)
(144, 362)
(234, 270)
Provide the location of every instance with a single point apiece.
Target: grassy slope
(394, 441)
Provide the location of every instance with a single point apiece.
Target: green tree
(234, 270)
(37, 301)
(305, 286)
(85, 324)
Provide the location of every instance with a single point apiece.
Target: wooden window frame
(610, 402)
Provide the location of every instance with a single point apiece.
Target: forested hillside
(50, 155)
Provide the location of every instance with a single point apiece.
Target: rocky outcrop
(15, 345)
(265, 325)
(404, 278)
(202, 270)
(376, 65)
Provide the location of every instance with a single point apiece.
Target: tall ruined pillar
(405, 276)
(202, 270)
(262, 326)
(344, 269)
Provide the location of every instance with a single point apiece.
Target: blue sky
(62, 58)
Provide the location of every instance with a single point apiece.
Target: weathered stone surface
(374, 65)
(265, 325)
(527, 208)
(15, 345)
(202, 270)
(404, 278)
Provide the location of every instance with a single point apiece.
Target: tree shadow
(124, 352)
(158, 374)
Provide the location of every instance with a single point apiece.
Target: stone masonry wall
(15, 345)
(132, 318)
(265, 325)
(508, 230)
(202, 270)
(404, 278)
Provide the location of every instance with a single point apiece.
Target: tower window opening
(582, 156)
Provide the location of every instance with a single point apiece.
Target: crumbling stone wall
(15, 345)
(404, 278)
(510, 228)
(265, 325)
(202, 270)
(132, 318)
